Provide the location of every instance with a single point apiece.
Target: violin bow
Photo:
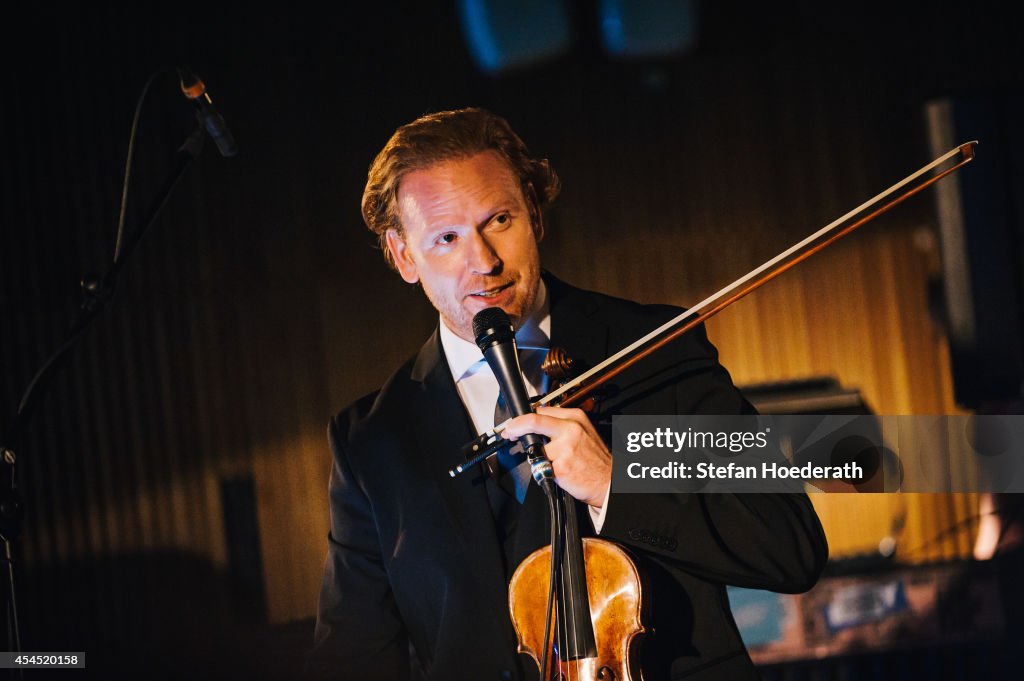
(578, 389)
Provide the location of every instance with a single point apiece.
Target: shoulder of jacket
(617, 308)
(369, 411)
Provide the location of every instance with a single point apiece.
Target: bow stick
(577, 390)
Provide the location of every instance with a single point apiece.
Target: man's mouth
(491, 292)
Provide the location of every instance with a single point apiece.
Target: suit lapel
(442, 427)
(576, 323)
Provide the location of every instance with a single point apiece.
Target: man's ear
(402, 257)
(538, 228)
(533, 208)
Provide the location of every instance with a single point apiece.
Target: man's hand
(582, 463)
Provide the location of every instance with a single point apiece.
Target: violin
(594, 591)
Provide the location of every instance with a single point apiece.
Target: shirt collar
(535, 332)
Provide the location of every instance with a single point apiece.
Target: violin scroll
(559, 366)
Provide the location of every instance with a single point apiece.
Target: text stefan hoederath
(712, 444)
(786, 452)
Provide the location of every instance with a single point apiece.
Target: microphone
(496, 339)
(195, 90)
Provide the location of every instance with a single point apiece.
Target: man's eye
(502, 219)
(446, 238)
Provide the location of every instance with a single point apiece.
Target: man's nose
(483, 259)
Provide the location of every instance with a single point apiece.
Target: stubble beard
(460, 320)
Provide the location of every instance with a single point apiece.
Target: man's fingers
(549, 421)
(581, 461)
(540, 424)
(577, 415)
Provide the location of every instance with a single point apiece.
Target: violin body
(616, 604)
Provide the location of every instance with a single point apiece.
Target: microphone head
(491, 326)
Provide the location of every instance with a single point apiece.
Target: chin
(515, 306)
(515, 313)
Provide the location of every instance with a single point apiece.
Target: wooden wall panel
(860, 314)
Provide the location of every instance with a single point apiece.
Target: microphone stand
(97, 293)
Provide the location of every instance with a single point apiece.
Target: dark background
(174, 473)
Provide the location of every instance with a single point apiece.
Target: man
(417, 559)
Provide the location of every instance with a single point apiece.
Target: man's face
(468, 239)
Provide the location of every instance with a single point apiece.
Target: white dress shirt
(477, 386)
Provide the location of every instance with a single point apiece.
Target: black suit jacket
(414, 555)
